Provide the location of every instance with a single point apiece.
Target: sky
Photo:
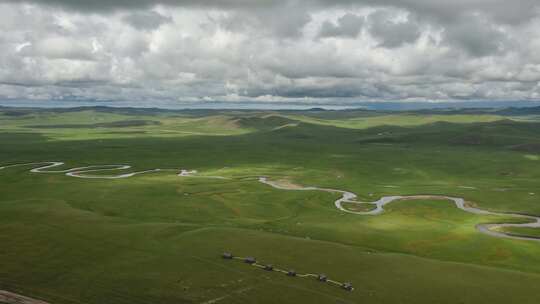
(309, 51)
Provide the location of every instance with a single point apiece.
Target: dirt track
(13, 298)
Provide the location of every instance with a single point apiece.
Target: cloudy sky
(267, 50)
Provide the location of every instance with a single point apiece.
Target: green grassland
(396, 120)
(157, 238)
(522, 231)
(87, 124)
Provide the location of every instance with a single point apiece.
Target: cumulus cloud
(57, 47)
(393, 30)
(281, 21)
(142, 50)
(348, 25)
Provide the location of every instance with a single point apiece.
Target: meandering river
(346, 196)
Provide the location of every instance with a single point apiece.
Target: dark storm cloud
(349, 25)
(146, 20)
(392, 33)
(476, 36)
(321, 89)
(109, 5)
(447, 11)
(503, 10)
(286, 20)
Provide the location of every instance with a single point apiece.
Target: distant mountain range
(500, 108)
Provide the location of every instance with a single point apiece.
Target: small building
(268, 267)
(227, 255)
(322, 278)
(291, 273)
(347, 286)
(250, 260)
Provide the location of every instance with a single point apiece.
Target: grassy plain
(157, 238)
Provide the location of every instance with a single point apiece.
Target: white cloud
(299, 50)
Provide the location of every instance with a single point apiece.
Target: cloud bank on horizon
(288, 50)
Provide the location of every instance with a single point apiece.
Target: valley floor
(158, 238)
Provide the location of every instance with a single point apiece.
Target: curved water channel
(346, 196)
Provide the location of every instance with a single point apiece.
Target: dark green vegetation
(114, 124)
(157, 238)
